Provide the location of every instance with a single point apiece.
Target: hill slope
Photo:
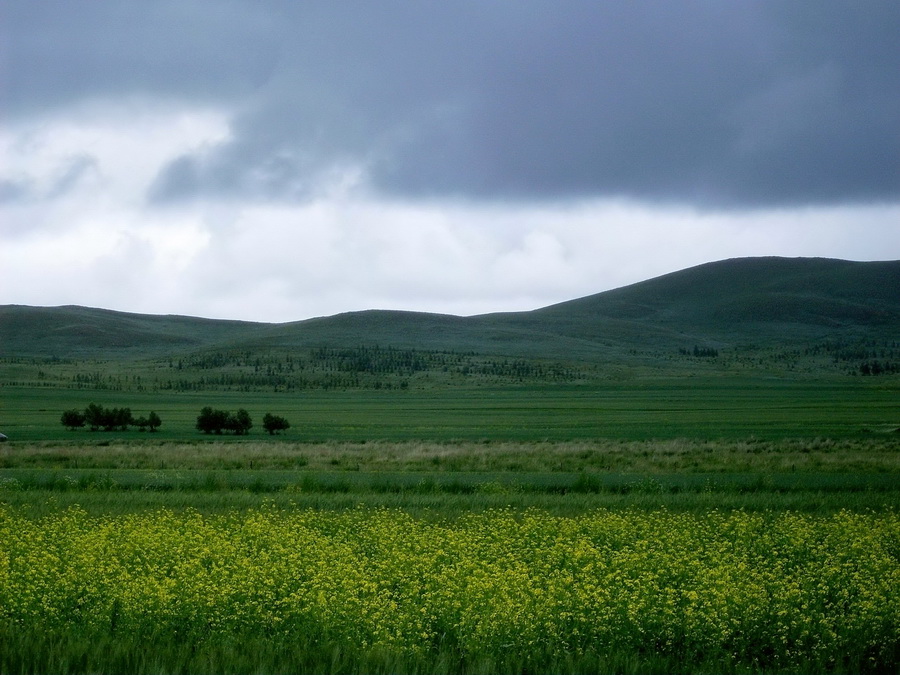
(764, 301)
(768, 300)
(73, 331)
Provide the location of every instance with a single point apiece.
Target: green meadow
(697, 474)
(704, 524)
(710, 407)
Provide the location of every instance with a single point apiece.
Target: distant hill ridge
(768, 301)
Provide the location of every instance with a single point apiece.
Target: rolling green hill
(767, 303)
(86, 332)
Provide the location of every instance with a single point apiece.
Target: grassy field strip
(707, 408)
(872, 454)
(562, 483)
(436, 495)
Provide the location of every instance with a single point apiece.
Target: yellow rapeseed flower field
(380, 589)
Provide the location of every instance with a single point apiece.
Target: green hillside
(743, 312)
(73, 331)
(760, 298)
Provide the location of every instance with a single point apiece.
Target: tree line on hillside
(284, 370)
(699, 352)
(97, 417)
(326, 367)
(879, 368)
(874, 357)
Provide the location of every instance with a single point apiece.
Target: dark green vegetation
(274, 424)
(754, 392)
(804, 317)
(211, 421)
(96, 417)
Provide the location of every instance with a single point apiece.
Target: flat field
(637, 409)
(670, 525)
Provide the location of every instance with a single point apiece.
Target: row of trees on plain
(210, 421)
(97, 417)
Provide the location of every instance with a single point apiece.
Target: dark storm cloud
(56, 52)
(707, 103)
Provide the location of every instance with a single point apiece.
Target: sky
(277, 160)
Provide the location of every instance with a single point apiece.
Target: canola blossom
(519, 590)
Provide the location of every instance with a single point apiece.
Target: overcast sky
(275, 160)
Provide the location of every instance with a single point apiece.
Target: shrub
(215, 421)
(274, 423)
(73, 419)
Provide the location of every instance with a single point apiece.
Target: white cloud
(290, 262)
(121, 147)
(81, 231)
(93, 242)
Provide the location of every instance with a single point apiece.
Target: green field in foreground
(675, 525)
(376, 590)
(698, 408)
(151, 556)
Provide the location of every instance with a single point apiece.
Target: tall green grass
(816, 475)
(877, 453)
(432, 505)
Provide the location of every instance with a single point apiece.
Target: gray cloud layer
(707, 103)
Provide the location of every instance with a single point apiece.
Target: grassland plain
(708, 407)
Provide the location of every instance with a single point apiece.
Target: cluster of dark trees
(96, 417)
(871, 355)
(879, 368)
(211, 421)
(700, 352)
(273, 423)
